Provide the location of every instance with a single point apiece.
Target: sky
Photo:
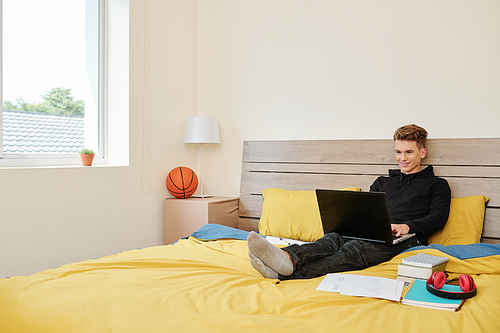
(43, 48)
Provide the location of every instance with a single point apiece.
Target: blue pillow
(214, 231)
(463, 251)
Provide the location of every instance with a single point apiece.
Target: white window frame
(33, 160)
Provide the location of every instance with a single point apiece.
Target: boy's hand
(400, 229)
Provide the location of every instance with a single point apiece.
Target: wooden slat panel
(319, 168)
(248, 224)
(462, 187)
(368, 169)
(254, 183)
(490, 240)
(319, 151)
(492, 223)
(467, 171)
(440, 151)
(250, 205)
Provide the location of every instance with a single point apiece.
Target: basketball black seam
(183, 187)
(172, 181)
(192, 178)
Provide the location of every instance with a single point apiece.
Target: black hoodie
(421, 200)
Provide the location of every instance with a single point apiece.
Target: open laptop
(358, 215)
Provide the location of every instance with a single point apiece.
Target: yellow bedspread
(198, 286)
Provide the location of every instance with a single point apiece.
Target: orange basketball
(182, 182)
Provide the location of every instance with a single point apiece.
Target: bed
(204, 282)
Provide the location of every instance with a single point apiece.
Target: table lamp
(201, 130)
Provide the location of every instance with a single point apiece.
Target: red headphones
(438, 279)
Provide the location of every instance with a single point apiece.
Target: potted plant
(87, 156)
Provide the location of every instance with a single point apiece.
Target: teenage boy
(418, 202)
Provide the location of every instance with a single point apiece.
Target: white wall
(54, 216)
(326, 69)
(268, 69)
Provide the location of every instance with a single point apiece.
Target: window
(52, 80)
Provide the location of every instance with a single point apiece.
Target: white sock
(259, 266)
(272, 256)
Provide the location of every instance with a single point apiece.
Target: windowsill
(52, 163)
(59, 167)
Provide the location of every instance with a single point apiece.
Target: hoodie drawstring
(401, 179)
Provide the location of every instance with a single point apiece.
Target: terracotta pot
(87, 159)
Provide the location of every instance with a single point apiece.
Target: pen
(281, 239)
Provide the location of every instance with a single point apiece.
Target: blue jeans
(333, 254)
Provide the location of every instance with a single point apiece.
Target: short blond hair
(412, 132)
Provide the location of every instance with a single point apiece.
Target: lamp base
(202, 196)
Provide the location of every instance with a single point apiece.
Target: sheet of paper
(365, 286)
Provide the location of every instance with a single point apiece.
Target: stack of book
(421, 266)
(417, 295)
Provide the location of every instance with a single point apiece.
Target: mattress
(206, 283)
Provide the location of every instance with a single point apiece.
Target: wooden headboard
(471, 166)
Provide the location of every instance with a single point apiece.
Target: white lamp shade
(201, 130)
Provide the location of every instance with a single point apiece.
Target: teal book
(419, 296)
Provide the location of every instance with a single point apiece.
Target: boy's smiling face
(409, 156)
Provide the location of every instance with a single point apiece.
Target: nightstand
(181, 217)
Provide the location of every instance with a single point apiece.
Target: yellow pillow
(465, 223)
(291, 214)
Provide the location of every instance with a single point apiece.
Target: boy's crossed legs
(330, 254)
